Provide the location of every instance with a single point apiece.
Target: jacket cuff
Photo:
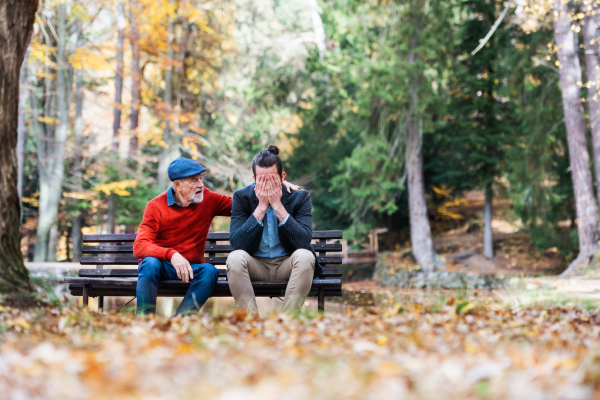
(251, 223)
(170, 253)
(285, 220)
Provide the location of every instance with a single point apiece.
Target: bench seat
(117, 249)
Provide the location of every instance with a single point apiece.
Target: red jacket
(166, 230)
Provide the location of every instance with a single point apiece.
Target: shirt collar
(171, 197)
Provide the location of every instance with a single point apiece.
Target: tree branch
(487, 37)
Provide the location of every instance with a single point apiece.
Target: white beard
(197, 200)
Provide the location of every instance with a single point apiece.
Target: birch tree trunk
(121, 24)
(118, 107)
(570, 74)
(51, 188)
(171, 152)
(420, 231)
(488, 238)
(22, 129)
(16, 27)
(592, 64)
(135, 80)
(183, 48)
(318, 29)
(44, 134)
(77, 222)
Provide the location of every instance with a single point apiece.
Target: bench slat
(130, 237)
(219, 291)
(132, 273)
(104, 281)
(210, 248)
(317, 283)
(331, 287)
(131, 260)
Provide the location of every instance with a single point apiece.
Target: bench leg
(100, 303)
(322, 300)
(85, 295)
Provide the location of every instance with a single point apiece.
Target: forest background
(365, 99)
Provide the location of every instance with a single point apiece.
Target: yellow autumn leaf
(32, 201)
(22, 322)
(48, 120)
(464, 307)
(85, 58)
(79, 195)
(117, 187)
(469, 348)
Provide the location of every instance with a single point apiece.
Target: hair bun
(273, 149)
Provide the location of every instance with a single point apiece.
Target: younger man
(271, 231)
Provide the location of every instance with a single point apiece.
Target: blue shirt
(171, 197)
(270, 246)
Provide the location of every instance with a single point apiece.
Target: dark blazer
(246, 233)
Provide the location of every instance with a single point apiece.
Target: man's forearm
(242, 236)
(145, 248)
(281, 212)
(260, 212)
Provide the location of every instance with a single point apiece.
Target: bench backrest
(117, 249)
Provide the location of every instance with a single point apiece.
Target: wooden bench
(117, 249)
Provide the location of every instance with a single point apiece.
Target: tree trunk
(420, 231)
(488, 238)
(318, 30)
(51, 188)
(135, 80)
(171, 152)
(121, 24)
(111, 220)
(44, 165)
(44, 134)
(570, 75)
(52, 243)
(22, 130)
(592, 64)
(183, 45)
(77, 221)
(16, 27)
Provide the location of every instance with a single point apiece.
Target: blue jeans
(152, 270)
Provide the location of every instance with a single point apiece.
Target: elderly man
(171, 239)
(271, 231)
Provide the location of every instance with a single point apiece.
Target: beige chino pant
(298, 269)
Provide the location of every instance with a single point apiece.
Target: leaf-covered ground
(405, 352)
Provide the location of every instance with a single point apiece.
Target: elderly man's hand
(183, 267)
(291, 186)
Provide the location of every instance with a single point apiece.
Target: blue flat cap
(184, 167)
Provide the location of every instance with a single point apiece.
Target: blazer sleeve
(244, 227)
(298, 229)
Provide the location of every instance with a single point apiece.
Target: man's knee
(150, 267)
(237, 260)
(304, 259)
(208, 271)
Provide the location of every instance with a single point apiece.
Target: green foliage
(538, 163)
(480, 126)
(361, 91)
(371, 180)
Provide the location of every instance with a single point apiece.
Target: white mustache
(195, 199)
